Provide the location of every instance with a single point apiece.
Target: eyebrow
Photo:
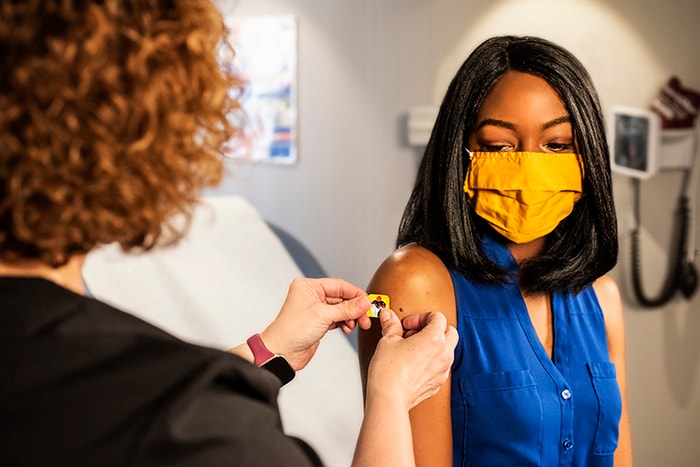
(510, 126)
(495, 122)
(556, 121)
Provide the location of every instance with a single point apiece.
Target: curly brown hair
(113, 115)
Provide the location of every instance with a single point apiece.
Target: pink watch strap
(261, 353)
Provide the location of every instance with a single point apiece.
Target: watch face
(279, 366)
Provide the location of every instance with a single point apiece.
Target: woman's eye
(560, 147)
(501, 147)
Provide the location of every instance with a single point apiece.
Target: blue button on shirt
(514, 405)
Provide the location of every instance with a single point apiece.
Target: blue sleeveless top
(514, 405)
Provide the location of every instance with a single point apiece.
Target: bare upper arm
(416, 281)
(611, 303)
(609, 298)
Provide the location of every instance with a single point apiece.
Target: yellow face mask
(523, 195)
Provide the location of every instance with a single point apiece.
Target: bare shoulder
(416, 281)
(412, 262)
(606, 288)
(608, 294)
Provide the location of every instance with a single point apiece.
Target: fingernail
(384, 315)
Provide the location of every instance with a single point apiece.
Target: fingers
(351, 309)
(391, 325)
(416, 366)
(451, 337)
(419, 321)
(349, 301)
(329, 301)
(349, 325)
(335, 290)
(414, 323)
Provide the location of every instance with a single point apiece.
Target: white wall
(364, 63)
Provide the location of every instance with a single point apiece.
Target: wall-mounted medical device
(640, 148)
(634, 141)
(642, 144)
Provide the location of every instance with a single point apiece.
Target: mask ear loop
(467, 166)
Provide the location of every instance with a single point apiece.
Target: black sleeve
(224, 415)
(84, 384)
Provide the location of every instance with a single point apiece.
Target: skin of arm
(408, 368)
(417, 282)
(403, 373)
(609, 298)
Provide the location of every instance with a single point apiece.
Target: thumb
(351, 309)
(391, 325)
(452, 336)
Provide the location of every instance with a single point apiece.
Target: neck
(68, 276)
(522, 251)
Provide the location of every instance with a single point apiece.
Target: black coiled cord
(682, 275)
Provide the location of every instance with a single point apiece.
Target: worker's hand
(312, 308)
(413, 367)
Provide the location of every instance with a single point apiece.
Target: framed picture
(634, 141)
(265, 57)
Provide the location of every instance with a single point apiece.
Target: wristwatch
(274, 363)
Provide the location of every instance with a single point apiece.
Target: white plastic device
(634, 138)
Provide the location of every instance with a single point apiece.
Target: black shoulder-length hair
(584, 246)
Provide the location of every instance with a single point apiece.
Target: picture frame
(265, 59)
